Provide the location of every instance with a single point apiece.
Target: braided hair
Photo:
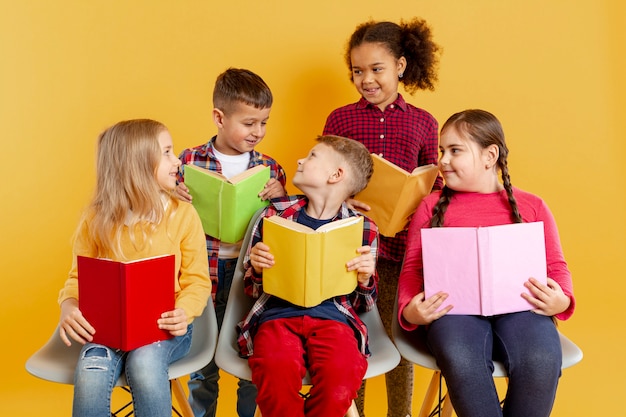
(483, 128)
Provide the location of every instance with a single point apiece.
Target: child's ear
(492, 154)
(337, 175)
(218, 118)
(401, 66)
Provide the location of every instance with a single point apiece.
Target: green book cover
(226, 205)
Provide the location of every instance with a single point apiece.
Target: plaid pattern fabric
(362, 299)
(204, 157)
(403, 134)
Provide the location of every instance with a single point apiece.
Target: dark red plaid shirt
(403, 134)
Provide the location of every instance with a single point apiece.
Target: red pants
(284, 348)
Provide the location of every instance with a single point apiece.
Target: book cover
(226, 205)
(310, 265)
(124, 300)
(483, 269)
(394, 194)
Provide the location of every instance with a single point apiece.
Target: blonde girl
(131, 216)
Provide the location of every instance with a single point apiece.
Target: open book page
(394, 194)
(483, 270)
(310, 265)
(225, 206)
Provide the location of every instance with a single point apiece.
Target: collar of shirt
(399, 102)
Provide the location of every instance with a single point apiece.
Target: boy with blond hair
(282, 340)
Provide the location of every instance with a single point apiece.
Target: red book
(124, 300)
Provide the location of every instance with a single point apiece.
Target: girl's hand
(548, 299)
(422, 311)
(357, 205)
(364, 265)
(260, 257)
(272, 189)
(73, 325)
(174, 321)
(182, 192)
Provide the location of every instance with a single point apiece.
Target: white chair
(56, 362)
(384, 356)
(413, 348)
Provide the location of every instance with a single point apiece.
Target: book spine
(315, 261)
(123, 303)
(485, 272)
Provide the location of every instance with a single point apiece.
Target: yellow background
(553, 72)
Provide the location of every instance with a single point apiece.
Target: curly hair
(412, 40)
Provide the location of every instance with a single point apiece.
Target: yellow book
(226, 205)
(394, 194)
(310, 265)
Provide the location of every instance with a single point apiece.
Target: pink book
(483, 269)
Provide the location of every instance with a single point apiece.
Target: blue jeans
(528, 345)
(99, 367)
(203, 385)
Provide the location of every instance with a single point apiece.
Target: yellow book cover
(310, 265)
(226, 205)
(394, 194)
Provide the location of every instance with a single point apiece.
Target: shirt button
(392, 106)
(382, 119)
(382, 136)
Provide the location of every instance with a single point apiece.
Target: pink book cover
(483, 269)
(124, 300)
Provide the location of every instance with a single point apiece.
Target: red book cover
(124, 300)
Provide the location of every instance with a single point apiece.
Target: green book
(226, 205)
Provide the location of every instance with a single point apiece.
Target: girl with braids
(134, 215)
(380, 56)
(473, 150)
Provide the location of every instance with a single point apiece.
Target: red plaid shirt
(363, 298)
(403, 134)
(204, 157)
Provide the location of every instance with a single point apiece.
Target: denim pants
(528, 345)
(99, 367)
(203, 385)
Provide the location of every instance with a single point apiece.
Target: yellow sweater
(181, 235)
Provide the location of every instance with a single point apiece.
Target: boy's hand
(422, 311)
(174, 321)
(182, 192)
(260, 257)
(272, 189)
(357, 205)
(549, 299)
(73, 325)
(364, 265)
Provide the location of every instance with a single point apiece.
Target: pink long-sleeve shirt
(475, 210)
